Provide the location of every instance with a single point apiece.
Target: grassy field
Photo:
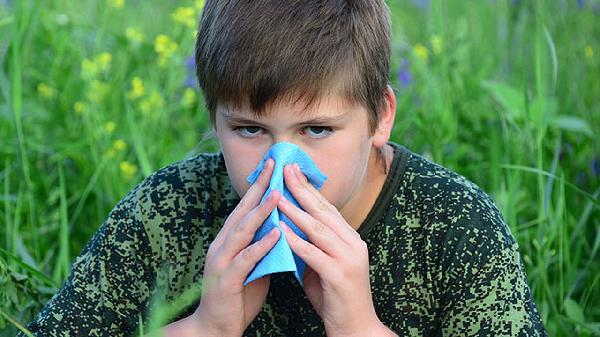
(93, 99)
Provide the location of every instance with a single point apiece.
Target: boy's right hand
(227, 307)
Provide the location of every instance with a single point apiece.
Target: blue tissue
(281, 258)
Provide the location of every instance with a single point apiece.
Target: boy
(397, 244)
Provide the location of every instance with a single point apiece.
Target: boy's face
(339, 143)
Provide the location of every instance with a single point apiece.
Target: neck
(356, 210)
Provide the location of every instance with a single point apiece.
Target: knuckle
(318, 227)
(240, 227)
(322, 206)
(248, 254)
(307, 251)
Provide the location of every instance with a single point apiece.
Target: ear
(386, 119)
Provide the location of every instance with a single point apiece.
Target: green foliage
(93, 99)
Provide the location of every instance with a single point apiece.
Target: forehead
(330, 106)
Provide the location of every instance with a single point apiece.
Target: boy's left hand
(337, 278)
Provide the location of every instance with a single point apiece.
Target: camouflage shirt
(442, 259)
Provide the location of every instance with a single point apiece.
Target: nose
(284, 138)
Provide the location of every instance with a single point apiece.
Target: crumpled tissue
(281, 258)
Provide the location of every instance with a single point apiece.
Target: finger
(240, 236)
(317, 205)
(252, 198)
(244, 262)
(315, 258)
(318, 233)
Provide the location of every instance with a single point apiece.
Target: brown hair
(260, 51)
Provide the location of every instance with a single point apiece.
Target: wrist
(191, 326)
(384, 331)
(186, 327)
(374, 329)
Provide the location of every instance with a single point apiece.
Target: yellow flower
(89, 69)
(422, 52)
(109, 127)
(189, 98)
(165, 48)
(79, 107)
(119, 145)
(152, 103)
(128, 170)
(164, 45)
(45, 90)
(118, 4)
(137, 88)
(589, 51)
(185, 16)
(97, 91)
(103, 61)
(436, 44)
(133, 34)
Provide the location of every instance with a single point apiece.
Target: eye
(319, 131)
(313, 131)
(247, 131)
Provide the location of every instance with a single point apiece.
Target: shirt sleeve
(487, 293)
(108, 286)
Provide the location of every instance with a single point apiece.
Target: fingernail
(284, 226)
(272, 194)
(299, 173)
(272, 233)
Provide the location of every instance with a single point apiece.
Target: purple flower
(404, 77)
(581, 178)
(190, 66)
(595, 165)
(422, 4)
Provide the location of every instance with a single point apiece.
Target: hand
(336, 280)
(227, 307)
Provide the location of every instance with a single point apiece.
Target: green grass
(505, 93)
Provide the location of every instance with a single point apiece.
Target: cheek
(344, 169)
(241, 160)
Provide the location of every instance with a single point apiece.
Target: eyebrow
(313, 121)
